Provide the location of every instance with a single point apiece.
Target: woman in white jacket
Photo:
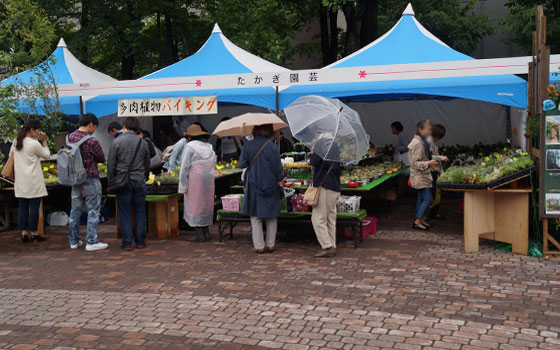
(196, 182)
(29, 182)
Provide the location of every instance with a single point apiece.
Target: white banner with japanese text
(150, 107)
(287, 78)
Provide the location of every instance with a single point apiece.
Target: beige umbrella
(243, 124)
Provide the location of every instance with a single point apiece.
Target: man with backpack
(86, 193)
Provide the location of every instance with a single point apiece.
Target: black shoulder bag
(121, 181)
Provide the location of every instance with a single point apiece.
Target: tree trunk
(172, 49)
(184, 40)
(324, 25)
(333, 17)
(127, 67)
(368, 27)
(329, 33)
(161, 58)
(353, 26)
(158, 30)
(84, 23)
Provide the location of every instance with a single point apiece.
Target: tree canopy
(131, 38)
(520, 22)
(26, 34)
(453, 21)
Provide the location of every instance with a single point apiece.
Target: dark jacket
(151, 146)
(321, 167)
(286, 145)
(120, 155)
(262, 193)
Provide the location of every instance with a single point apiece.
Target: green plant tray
(502, 180)
(511, 177)
(162, 189)
(455, 186)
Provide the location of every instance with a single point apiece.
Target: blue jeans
(28, 214)
(423, 201)
(127, 199)
(88, 196)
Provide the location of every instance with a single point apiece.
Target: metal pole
(277, 103)
(278, 114)
(81, 107)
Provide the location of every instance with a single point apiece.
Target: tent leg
(81, 106)
(277, 103)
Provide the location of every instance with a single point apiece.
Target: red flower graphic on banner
(198, 83)
(362, 74)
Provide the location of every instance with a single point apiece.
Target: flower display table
(500, 214)
(229, 219)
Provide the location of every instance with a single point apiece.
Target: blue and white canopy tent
(63, 68)
(218, 56)
(461, 101)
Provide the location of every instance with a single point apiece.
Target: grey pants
(258, 236)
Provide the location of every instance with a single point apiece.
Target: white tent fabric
(218, 56)
(79, 72)
(213, 45)
(66, 69)
(518, 119)
(408, 42)
(467, 122)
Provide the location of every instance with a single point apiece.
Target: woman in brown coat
(421, 171)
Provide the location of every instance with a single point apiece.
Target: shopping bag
(8, 170)
(311, 196)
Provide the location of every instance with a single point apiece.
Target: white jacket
(29, 181)
(196, 182)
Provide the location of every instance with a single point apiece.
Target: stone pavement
(399, 290)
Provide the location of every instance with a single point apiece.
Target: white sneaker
(96, 246)
(77, 245)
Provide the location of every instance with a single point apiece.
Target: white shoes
(96, 246)
(77, 245)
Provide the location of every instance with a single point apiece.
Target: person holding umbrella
(335, 134)
(196, 182)
(264, 178)
(326, 176)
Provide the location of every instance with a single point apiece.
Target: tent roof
(408, 42)
(217, 56)
(66, 69)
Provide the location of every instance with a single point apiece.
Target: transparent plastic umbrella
(329, 127)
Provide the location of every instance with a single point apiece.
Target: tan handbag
(311, 195)
(8, 170)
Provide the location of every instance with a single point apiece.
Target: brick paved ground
(400, 290)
